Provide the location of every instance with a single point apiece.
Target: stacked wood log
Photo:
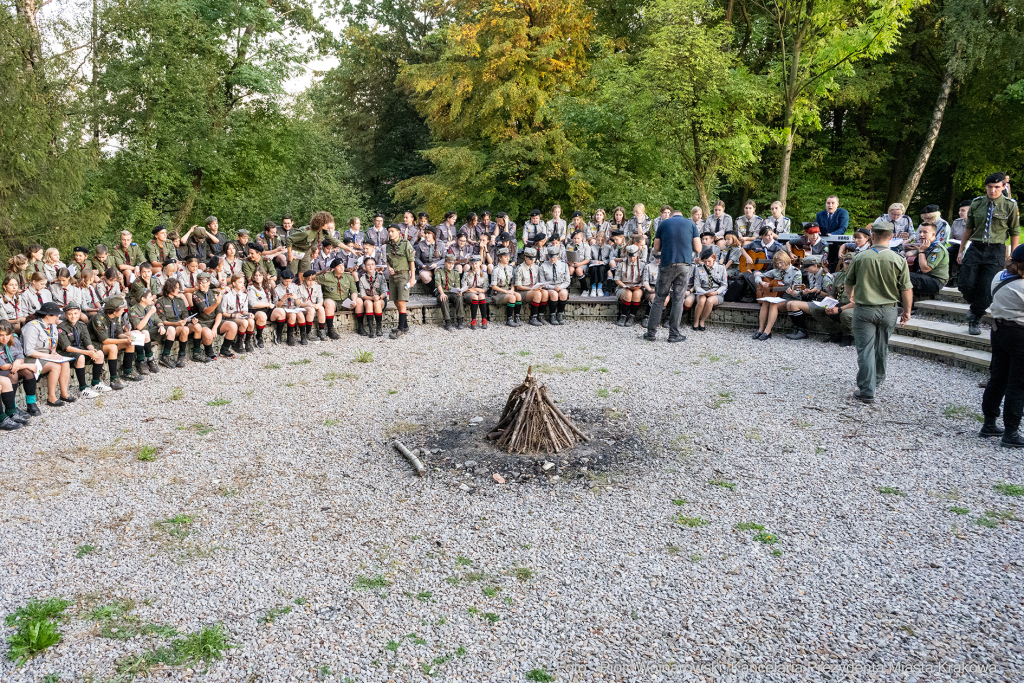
(531, 423)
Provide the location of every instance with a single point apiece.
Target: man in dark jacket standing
(833, 220)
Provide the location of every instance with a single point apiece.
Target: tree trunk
(929, 139)
(32, 53)
(953, 209)
(791, 94)
(95, 76)
(787, 154)
(728, 13)
(702, 194)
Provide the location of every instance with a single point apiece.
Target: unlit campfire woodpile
(531, 423)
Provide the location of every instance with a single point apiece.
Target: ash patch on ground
(460, 450)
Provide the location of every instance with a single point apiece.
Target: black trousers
(925, 284)
(981, 263)
(1006, 375)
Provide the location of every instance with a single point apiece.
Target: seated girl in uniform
(35, 295)
(311, 298)
(206, 304)
(373, 288)
(791, 281)
(861, 241)
(579, 267)
(710, 283)
(600, 253)
(16, 266)
(14, 369)
(90, 300)
(234, 308)
(629, 280)
(175, 313)
(286, 298)
(10, 303)
(485, 250)
(260, 303)
(189, 276)
(52, 264)
(474, 287)
(232, 264)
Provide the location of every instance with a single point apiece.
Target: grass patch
(363, 356)
(731, 485)
(205, 645)
(177, 393)
(891, 491)
(678, 501)
(331, 423)
(146, 454)
(35, 609)
(402, 428)
(523, 573)
(766, 537)
(602, 369)
(392, 391)
(83, 550)
(218, 402)
(275, 613)
(1015, 490)
(117, 622)
(35, 627)
(492, 618)
(987, 522)
(178, 526)
(993, 518)
(491, 591)
(301, 361)
(777, 553)
(425, 596)
(271, 366)
(558, 369)
(602, 393)
(463, 561)
(696, 557)
(724, 398)
(365, 583)
(326, 354)
(749, 526)
(673, 550)
(523, 353)
(957, 510)
(958, 411)
(539, 676)
(692, 522)
(753, 434)
(559, 355)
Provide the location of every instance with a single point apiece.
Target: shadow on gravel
(460, 450)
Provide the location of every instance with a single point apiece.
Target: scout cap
(501, 214)
(72, 305)
(617, 233)
(540, 236)
(996, 177)
(577, 214)
(243, 231)
(554, 251)
(49, 308)
(110, 303)
(535, 212)
(334, 264)
(1018, 253)
(530, 252)
(706, 252)
(200, 231)
(881, 225)
(503, 252)
(213, 262)
(633, 249)
(863, 231)
(156, 229)
(932, 208)
(204, 275)
(81, 250)
(504, 237)
(256, 248)
(287, 273)
(449, 257)
(812, 260)
(171, 260)
(309, 273)
(475, 258)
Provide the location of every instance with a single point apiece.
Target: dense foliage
(163, 111)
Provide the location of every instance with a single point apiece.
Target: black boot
(972, 324)
(1012, 438)
(259, 337)
(448, 325)
(798, 327)
(535, 320)
(291, 335)
(630, 320)
(460, 323)
(331, 334)
(380, 321)
(278, 332)
(990, 428)
(249, 348)
(321, 333)
(302, 335)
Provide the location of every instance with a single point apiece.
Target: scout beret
(204, 275)
(81, 250)
(334, 264)
(423, 214)
(632, 249)
(882, 225)
(554, 251)
(49, 308)
(966, 202)
(171, 260)
(449, 257)
(617, 233)
(287, 273)
(396, 226)
(577, 214)
(504, 237)
(213, 262)
(731, 232)
(1018, 253)
(706, 252)
(211, 219)
(811, 229)
(158, 229)
(502, 214)
(475, 258)
(256, 248)
(535, 212)
(706, 234)
(243, 231)
(503, 252)
(309, 272)
(863, 231)
(996, 177)
(485, 212)
(931, 208)
(530, 252)
(72, 305)
(812, 260)
(110, 303)
(347, 240)
(540, 236)
(331, 241)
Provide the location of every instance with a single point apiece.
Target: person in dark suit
(833, 220)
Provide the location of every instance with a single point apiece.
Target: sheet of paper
(138, 338)
(827, 302)
(536, 286)
(302, 310)
(347, 303)
(895, 243)
(772, 299)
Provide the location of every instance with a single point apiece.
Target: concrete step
(943, 352)
(950, 294)
(948, 332)
(947, 310)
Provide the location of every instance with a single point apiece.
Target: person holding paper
(600, 255)
(428, 256)
(311, 298)
(338, 286)
(790, 277)
(474, 292)
(710, 283)
(260, 303)
(528, 283)
(819, 281)
(630, 291)
(75, 341)
(555, 276)
(39, 341)
(177, 324)
(286, 297)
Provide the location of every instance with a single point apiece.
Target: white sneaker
(600, 290)
(101, 387)
(88, 392)
(593, 291)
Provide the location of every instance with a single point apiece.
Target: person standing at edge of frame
(877, 279)
(678, 240)
(991, 218)
(1006, 372)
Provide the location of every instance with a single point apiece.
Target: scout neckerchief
(78, 338)
(51, 338)
(127, 256)
(238, 302)
(712, 280)
(988, 217)
(64, 293)
(192, 279)
(506, 275)
(39, 295)
(8, 355)
(106, 289)
(92, 297)
(232, 266)
(161, 248)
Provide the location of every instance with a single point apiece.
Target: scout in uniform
(791, 278)
(956, 230)
(748, 226)
(903, 226)
(777, 222)
(10, 304)
(932, 215)
(143, 283)
(35, 260)
(876, 280)
(325, 257)
(485, 250)
(555, 277)
(503, 289)
(174, 314)
(232, 264)
(254, 262)
(597, 224)
(373, 288)
(274, 246)
(159, 249)
(377, 235)
(639, 224)
(39, 338)
(710, 283)
(578, 268)
(991, 219)
(243, 243)
(462, 250)
(533, 227)
(169, 271)
(429, 256)
(90, 300)
(35, 295)
(837, 320)
(127, 257)
(618, 221)
(445, 280)
(629, 287)
(355, 234)
(649, 282)
(205, 241)
(504, 225)
(101, 261)
(528, 285)
(188, 276)
(108, 284)
(401, 264)
(80, 261)
(52, 264)
(261, 304)
(474, 285)
(74, 341)
(410, 232)
(311, 298)
(931, 263)
(556, 226)
(14, 370)
(577, 224)
(234, 309)
(63, 290)
(106, 328)
(445, 231)
(1006, 373)
(301, 243)
(600, 255)
(286, 300)
(143, 317)
(508, 241)
(16, 266)
(339, 285)
(206, 305)
(719, 222)
(819, 283)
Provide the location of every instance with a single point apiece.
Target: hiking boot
(153, 367)
(167, 362)
(277, 337)
(990, 428)
(321, 334)
(622, 321)
(302, 336)
(248, 345)
(630, 319)
(472, 324)
(199, 357)
(143, 367)
(560, 317)
(115, 384)
(460, 324)
(535, 321)
(510, 322)
(847, 341)
(1012, 439)
(447, 326)
(518, 320)
(291, 336)
(650, 336)
(131, 377)
(797, 334)
(972, 325)
(396, 333)
(862, 398)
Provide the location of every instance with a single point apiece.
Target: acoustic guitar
(769, 287)
(759, 261)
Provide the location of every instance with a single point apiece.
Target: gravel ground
(298, 500)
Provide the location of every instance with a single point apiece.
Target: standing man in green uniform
(302, 242)
(877, 279)
(990, 220)
(402, 270)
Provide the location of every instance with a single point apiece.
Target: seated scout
(106, 328)
(819, 285)
(400, 268)
(629, 287)
(174, 314)
(206, 304)
(503, 288)
(286, 297)
(555, 277)
(74, 341)
(63, 290)
(14, 370)
(791, 280)
(429, 256)
(261, 303)
(311, 298)
(528, 284)
(39, 339)
(710, 283)
(339, 286)
(144, 318)
(579, 267)
(474, 285)
(929, 270)
(445, 280)
(373, 289)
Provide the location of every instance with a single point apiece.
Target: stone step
(947, 310)
(943, 352)
(948, 332)
(950, 294)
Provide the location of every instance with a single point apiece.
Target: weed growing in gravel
(753, 434)
(678, 501)
(524, 353)
(324, 671)
(766, 537)
(331, 423)
(749, 526)
(691, 522)
(117, 622)
(820, 450)
(777, 553)
(300, 601)
(492, 618)
(463, 561)
(602, 393)
(539, 676)
(724, 398)
(34, 609)
(83, 550)
(205, 645)
(178, 526)
(1010, 489)
(274, 613)
(177, 394)
(52, 677)
(957, 510)
(326, 354)
(995, 517)
(218, 402)
(559, 355)
(602, 369)
(227, 492)
(363, 356)
(523, 573)
(558, 369)
(35, 628)
(401, 428)
(146, 454)
(723, 484)
(672, 550)
(301, 361)
(890, 491)
(491, 591)
(365, 583)
(392, 391)
(271, 366)
(425, 596)
(470, 577)
(987, 522)
(696, 557)
(959, 411)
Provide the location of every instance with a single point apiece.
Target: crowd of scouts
(112, 307)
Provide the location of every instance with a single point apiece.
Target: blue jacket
(836, 224)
